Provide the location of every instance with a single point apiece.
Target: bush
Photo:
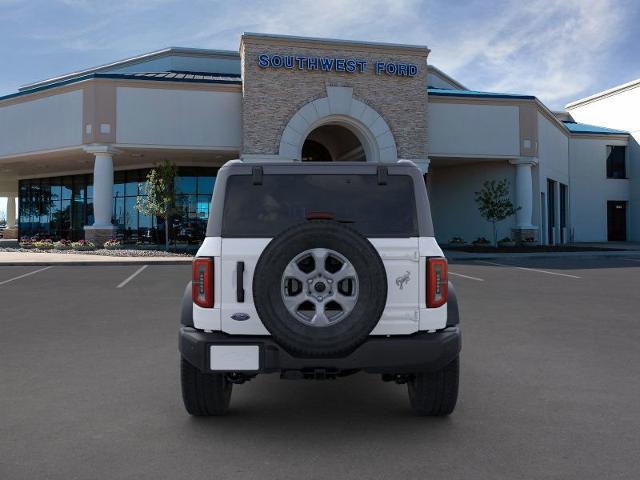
(83, 245)
(43, 244)
(62, 245)
(481, 241)
(457, 240)
(26, 242)
(505, 240)
(112, 244)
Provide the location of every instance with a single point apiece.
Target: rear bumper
(419, 352)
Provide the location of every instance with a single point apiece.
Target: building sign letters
(334, 64)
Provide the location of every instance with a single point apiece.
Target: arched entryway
(337, 126)
(332, 142)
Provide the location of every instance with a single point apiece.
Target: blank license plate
(231, 358)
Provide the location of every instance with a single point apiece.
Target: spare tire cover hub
(319, 287)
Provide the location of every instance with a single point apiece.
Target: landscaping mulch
(120, 252)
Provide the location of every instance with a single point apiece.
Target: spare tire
(320, 288)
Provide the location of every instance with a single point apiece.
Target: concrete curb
(74, 263)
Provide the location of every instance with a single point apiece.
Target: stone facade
(10, 233)
(98, 235)
(272, 96)
(524, 234)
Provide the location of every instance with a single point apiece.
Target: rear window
(285, 200)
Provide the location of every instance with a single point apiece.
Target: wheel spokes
(320, 318)
(346, 302)
(319, 258)
(328, 290)
(293, 271)
(292, 303)
(346, 271)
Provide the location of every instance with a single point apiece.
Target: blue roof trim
(225, 79)
(575, 127)
(445, 92)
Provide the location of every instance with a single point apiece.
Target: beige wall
(272, 96)
(473, 129)
(590, 189)
(452, 194)
(99, 112)
(619, 110)
(50, 122)
(8, 185)
(179, 117)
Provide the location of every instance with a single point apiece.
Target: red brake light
(437, 282)
(202, 282)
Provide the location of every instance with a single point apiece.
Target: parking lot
(550, 385)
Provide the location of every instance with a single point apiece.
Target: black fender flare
(453, 313)
(186, 307)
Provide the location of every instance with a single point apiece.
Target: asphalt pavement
(550, 385)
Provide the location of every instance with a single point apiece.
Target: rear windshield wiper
(327, 216)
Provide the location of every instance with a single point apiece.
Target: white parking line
(528, 269)
(467, 276)
(25, 275)
(132, 276)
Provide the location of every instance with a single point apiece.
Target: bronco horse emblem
(403, 279)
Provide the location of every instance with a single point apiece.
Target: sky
(558, 50)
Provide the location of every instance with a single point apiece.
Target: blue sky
(556, 50)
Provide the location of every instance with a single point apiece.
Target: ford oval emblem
(240, 317)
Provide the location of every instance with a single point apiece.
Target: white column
(102, 186)
(11, 212)
(558, 228)
(102, 190)
(524, 191)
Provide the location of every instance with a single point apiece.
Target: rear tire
(204, 394)
(434, 394)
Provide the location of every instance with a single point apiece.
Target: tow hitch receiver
(312, 374)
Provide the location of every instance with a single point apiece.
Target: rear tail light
(437, 282)
(202, 282)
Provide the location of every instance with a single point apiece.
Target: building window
(56, 207)
(616, 161)
(60, 207)
(564, 201)
(551, 211)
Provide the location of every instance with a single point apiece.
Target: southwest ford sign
(334, 64)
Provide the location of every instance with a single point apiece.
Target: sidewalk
(36, 259)
(456, 255)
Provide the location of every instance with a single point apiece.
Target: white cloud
(381, 20)
(556, 49)
(552, 49)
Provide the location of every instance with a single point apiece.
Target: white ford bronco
(319, 270)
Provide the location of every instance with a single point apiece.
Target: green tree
(160, 199)
(494, 203)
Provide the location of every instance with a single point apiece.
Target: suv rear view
(319, 270)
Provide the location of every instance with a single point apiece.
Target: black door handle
(240, 281)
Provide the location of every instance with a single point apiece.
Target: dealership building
(75, 149)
